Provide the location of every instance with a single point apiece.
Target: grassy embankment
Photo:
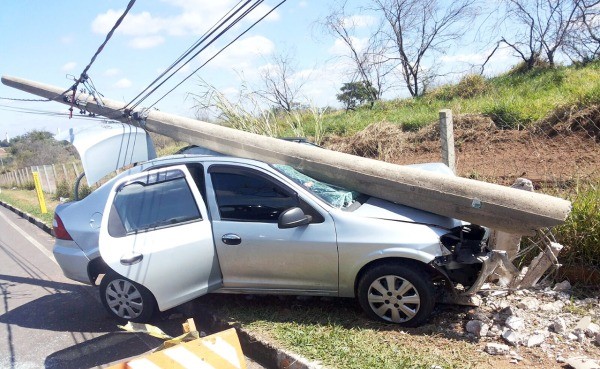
(513, 100)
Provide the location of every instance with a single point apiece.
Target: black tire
(126, 300)
(408, 302)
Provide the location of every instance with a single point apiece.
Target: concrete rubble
(551, 320)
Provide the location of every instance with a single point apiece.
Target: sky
(52, 41)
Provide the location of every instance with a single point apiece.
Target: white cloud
(340, 48)
(112, 72)
(146, 42)
(244, 52)
(67, 39)
(141, 24)
(261, 10)
(359, 21)
(68, 66)
(194, 17)
(303, 4)
(123, 83)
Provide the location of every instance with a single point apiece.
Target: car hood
(381, 209)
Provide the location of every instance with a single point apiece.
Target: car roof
(189, 158)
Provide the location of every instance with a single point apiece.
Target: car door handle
(231, 239)
(131, 259)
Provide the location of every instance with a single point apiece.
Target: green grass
(581, 232)
(27, 202)
(513, 100)
(336, 333)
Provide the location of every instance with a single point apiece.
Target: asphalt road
(49, 321)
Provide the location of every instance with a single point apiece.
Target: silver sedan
(175, 228)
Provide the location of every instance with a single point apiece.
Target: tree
(541, 28)
(281, 84)
(417, 29)
(354, 94)
(583, 40)
(368, 60)
(39, 148)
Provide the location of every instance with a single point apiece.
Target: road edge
(30, 218)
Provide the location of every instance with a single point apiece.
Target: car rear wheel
(397, 293)
(125, 299)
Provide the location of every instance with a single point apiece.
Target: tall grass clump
(581, 232)
(251, 113)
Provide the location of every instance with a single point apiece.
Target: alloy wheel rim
(124, 299)
(394, 299)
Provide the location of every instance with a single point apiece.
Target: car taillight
(59, 229)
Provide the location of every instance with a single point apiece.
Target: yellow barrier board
(40, 194)
(218, 351)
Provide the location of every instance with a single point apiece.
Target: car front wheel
(397, 293)
(125, 299)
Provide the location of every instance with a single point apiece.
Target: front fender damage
(467, 262)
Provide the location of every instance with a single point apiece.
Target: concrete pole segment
(490, 205)
(447, 138)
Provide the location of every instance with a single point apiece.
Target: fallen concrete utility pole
(490, 205)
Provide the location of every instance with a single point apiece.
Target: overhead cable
(23, 100)
(83, 75)
(45, 113)
(194, 46)
(224, 24)
(219, 52)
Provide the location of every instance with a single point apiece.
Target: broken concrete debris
(514, 322)
(562, 286)
(541, 264)
(545, 319)
(535, 340)
(511, 337)
(582, 363)
(497, 349)
(559, 326)
(477, 327)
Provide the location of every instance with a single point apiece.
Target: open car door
(156, 232)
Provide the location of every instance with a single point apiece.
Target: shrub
(29, 186)
(581, 232)
(470, 86)
(63, 189)
(84, 190)
(505, 115)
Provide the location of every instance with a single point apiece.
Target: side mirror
(293, 217)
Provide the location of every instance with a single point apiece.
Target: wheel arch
(417, 264)
(96, 267)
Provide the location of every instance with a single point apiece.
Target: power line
(44, 112)
(219, 52)
(24, 100)
(194, 46)
(83, 75)
(221, 24)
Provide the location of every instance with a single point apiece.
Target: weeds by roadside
(27, 201)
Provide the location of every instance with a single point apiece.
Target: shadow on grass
(446, 321)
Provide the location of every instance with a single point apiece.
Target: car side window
(249, 196)
(155, 201)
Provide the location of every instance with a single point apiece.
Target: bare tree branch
(419, 28)
(369, 62)
(281, 85)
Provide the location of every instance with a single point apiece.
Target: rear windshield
(335, 196)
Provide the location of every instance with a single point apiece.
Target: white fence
(50, 176)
